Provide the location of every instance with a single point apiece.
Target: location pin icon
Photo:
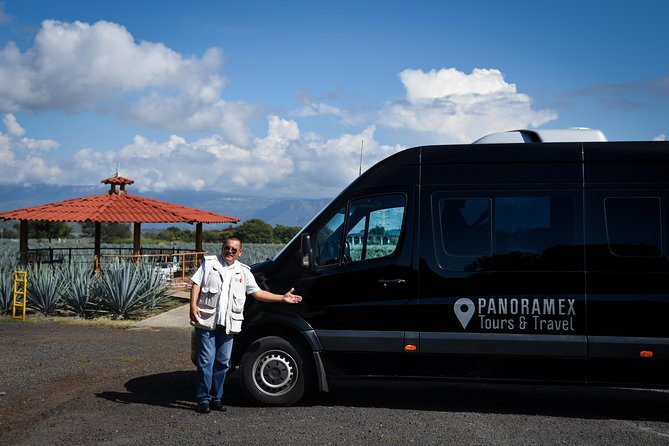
(464, 310)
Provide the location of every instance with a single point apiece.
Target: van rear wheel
(274, 372)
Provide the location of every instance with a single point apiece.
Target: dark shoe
(203, 407)
(218, 405)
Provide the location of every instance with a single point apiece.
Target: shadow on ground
(172, 389)
(548, 400)
(175, 390)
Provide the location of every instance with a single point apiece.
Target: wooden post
(136, 239)
(198, 237)
(23, 241)
(96, 245)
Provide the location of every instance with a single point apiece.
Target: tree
(251, 231)
(12, 232)
(284, 234)
(115, 231)
(254, 231)
(108, 231)
(174, 234)
(212, 236)
(48, 229)
(377, 230)
(170, 234)
(88, 229)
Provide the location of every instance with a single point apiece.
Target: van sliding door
(502, 285)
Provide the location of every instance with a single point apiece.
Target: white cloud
(13, 127)
(78, 66)
(19, 159)
(101, 67)
(38, 144)
(143, 148)
(282, 163)
(454, 107)
(447, 105)
(28, 169)
(449, 82)
(329, 165)
(661, 137)
(7, 156)
(210, 162)
(315, 107)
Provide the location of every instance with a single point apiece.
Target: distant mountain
(19, 197)
(291, 212)
(275, 211)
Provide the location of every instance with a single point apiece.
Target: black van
(537, 261)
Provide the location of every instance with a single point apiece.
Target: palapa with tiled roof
(116, 206)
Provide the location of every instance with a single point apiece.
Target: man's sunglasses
(230, 249)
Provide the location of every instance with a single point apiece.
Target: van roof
(574, 134)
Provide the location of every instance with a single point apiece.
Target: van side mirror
(305, 252)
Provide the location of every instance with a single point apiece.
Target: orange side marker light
(646, 354)
(410, 347)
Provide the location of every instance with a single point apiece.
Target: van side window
(372, 229)
(508, 232)
(634, 226)
(531, 224)
(466, 226)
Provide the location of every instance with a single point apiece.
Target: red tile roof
(116, 206)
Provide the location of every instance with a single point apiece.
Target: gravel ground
(64, 384)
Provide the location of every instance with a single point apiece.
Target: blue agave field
(122, 290)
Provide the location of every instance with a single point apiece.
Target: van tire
(274, 372)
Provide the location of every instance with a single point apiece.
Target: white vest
(211, 293)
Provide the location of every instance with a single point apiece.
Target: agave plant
(6, 290)
(122, 290)
(44, 288)
(77, 279)
(154, 289)
(8, 261)
(8, 265)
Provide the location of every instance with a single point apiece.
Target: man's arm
(194, 310)
(266, 296)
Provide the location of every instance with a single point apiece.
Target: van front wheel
(275, 373)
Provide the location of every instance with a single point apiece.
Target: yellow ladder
(20, 297)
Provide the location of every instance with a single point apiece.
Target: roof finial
(117, 179)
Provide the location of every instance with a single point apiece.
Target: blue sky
(274, 98)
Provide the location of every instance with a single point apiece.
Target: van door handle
(391, 283)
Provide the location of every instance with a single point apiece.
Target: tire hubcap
(275, 373)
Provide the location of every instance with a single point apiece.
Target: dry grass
(100, 321)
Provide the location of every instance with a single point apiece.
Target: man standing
(217, 298)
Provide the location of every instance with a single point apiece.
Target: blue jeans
(212, 359)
